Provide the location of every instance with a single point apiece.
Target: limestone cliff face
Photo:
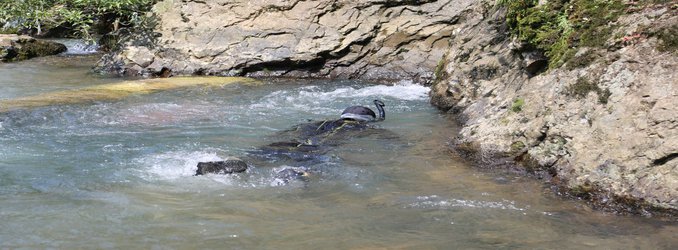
(606, 131)
(376, 39)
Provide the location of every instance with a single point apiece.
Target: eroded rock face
(374, 39)
(606, 131)
(16, 48)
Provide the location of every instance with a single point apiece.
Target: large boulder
(17, 48)
(373, 39)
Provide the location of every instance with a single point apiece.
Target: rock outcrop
(16, 48)
(604, 129)
(375, 39)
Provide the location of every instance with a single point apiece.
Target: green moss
(4, 54)
(504, 121)
(668, 39)
(37, 48)
(582, 61)
(559, 27)
(9, 31)
(517, 146)
(582, 191)
(584, 86)
(604, 95)
(439, 73)
(517, 105)
(581, 88)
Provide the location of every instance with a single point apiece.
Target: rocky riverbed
(601, 127)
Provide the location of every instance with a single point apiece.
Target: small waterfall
(78, 46)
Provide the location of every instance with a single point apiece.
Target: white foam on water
(173, 165)
(78, 46)
(403, 90)
(313, 99)
(435, 202)
(288, 100)
(276, 181)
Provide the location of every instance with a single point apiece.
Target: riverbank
(600, 127)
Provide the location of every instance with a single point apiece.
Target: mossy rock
(583, 59)
(668, 39)
(17, 48)
(584, 86)
(517, 105)
(37, 48)
(559, 27)
(517, 146)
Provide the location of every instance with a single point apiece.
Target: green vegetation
(583, 191)
(439, 73)
(76, 16)
(559, 27)
(517, 105)
(582, 60)
(517, 146)
(582, 88)
(668, 38)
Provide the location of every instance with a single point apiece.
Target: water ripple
(436, 202)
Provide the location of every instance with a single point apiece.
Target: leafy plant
(77, 15)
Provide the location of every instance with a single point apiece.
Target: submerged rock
(229, 166)
(16, 48)
(289, 174)
(309, 142)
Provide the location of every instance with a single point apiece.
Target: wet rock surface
(343, 39)
(604, 131)
(17, 48)
(229, 166)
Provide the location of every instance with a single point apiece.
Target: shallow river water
(120, 175)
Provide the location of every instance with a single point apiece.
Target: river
(119, 174)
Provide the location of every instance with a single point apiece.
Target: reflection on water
(120, 174)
